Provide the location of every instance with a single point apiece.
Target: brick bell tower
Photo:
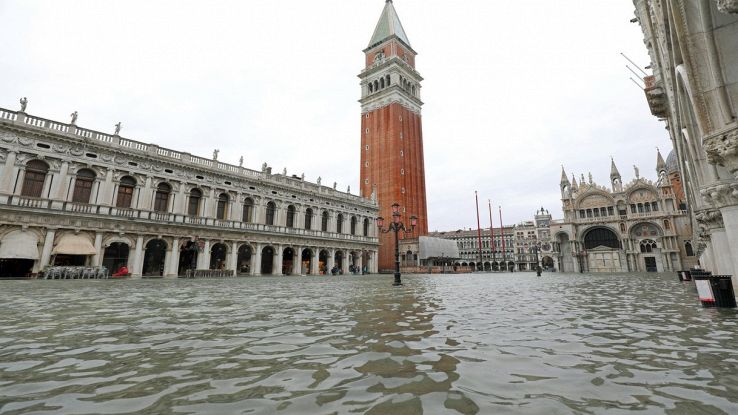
(391, 130)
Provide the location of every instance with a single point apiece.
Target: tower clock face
(546, 246)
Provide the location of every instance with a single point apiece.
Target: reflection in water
(443, 344)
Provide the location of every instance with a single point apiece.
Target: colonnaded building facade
(73, 196)
(693, 47)
(639, 226)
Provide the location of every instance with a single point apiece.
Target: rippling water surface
(465, 344)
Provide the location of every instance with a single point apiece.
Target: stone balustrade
(17, 117)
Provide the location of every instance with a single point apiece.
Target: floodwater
(452, 344)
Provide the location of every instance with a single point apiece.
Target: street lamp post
(396, 226)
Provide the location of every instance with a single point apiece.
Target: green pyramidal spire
(389, 25)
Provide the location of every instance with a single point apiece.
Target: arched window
(161, 198)
(83, 186)
(193, 206)
(271, 209)
(324, 221)
(371, 87)
(366, 227)
(248, 210)
(381, 83)
(290, 216)
(339, 223)
(389, 82)
(601, 237)
(33, 182)
(376, 86)
(688, 248)
(308, 218)
(647, 246)
(125, 192)
(221, 211)
(353, 225)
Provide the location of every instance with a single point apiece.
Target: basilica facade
(693, 46)
(638, 226)
(77, 197)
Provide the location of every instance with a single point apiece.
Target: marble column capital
(728, 6)
(720, 194)
(722, 148)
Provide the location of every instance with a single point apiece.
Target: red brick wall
(392, 48)
(382, 164)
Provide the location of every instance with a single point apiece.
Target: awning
(74, 245)
(19, 245)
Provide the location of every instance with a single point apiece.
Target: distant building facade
(73, 196)
(694, 89)
(392, 161)
(634, 227)
(512, 248)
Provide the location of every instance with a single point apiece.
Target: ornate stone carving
(60, 148)
(721, 194)
(77, 151)
(722, 149)
(7, 137)
(25, 141)
(728, 6)
(707, 220)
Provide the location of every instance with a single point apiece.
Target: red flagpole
(479, 229)
(502, 235)
(492, 231)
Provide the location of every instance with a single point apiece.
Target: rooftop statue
(117, 128)
(23, 102)
(74, 118)
(215, 154)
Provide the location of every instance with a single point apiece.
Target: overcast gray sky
(512, 90)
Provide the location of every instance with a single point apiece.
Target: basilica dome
(672, 165)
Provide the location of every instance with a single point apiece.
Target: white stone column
(236, 211)
(146, 195)
(210, 212)
(172, 270)
(346, 262)
(98, 257)
(360, 262)
(105, 195)
(232, 260)
(138, 258)
(297, 261)
(58, 187)
(69, 195)
(331, 260)
(7, 174)
(314, 264)
(180, 203)
(277, 268)
(19, 182)
(48, 246)
(203, 258)
(730, 220)
(256, 260)
(721, 252)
